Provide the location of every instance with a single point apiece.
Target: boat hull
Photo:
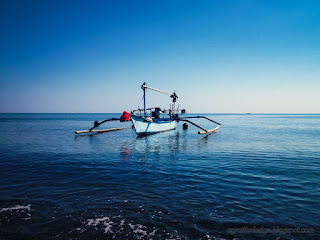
(143, 127)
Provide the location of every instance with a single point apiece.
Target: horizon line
(245, 113)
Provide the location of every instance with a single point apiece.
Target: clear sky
(220, 56)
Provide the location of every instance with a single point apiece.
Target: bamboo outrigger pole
(204, 130)
(101, 130)
(209, 131)
(96, 124)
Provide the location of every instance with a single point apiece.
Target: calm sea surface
(257, 177)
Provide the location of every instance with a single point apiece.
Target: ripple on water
(258, 170)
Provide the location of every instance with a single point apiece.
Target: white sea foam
(108, 226)
(152, 233)
(122, 222)
(138, 229)
(95, 222)
(105, 221)
(17, 207)
(118, 224)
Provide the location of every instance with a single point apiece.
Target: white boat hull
(144, 127)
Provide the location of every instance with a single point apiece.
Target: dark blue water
(258, 177)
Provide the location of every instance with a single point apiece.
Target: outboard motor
(157, 112)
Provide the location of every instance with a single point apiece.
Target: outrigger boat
(151, 123)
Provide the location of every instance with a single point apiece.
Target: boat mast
(144, 97)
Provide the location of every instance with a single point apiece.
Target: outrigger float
(151, 123)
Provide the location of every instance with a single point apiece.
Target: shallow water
(257, 177)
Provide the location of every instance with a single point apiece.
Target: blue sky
(219, 56)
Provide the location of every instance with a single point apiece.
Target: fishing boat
(149, 121)
(144, 126)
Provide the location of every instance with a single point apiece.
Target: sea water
(258, 176)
